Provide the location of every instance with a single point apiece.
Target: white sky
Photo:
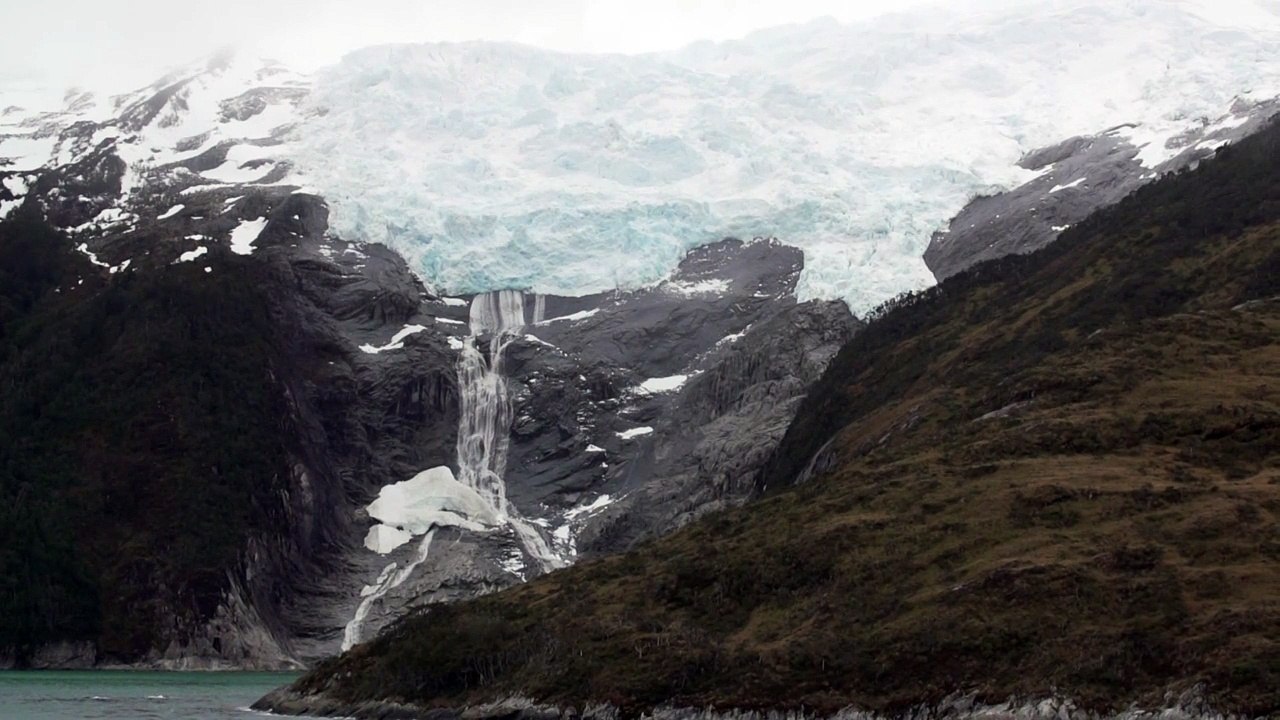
(133, 41)
(123, 44)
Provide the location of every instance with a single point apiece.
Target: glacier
(496, 166)
(502, 166)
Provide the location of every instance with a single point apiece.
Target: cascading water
(484, 428)
(389, 578)
(485, 414)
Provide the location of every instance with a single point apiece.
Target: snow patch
(244, 235)
(664, 384)
(572, 317)
(84, 248)
(27, 153)
(635, 433)
(16, 185)
(397, 341)
(730, 339)
(594, 507)
(704, 287)
(171, 212)
(538, 341)
(235, 169)
(1068, 186)
(190, 255)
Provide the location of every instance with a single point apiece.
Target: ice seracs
(416, 507)
(497, 166)
(492, 165)
(383, 539)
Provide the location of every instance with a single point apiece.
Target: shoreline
(1191, 704)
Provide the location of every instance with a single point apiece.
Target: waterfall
(484, 429)
(484, 420)
(484, 425)
(391, 577)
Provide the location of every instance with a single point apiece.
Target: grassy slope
(141, 442)
(1112, 535)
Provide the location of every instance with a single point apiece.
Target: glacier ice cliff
(492, 166)
(497, 166)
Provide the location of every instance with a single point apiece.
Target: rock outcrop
(634, 411)
(1075, 178)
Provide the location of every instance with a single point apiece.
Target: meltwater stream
(484, 428)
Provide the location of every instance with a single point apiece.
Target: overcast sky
(122, 44)
(133, 41)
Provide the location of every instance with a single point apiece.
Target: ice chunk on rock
(432, 498)
(382, 539)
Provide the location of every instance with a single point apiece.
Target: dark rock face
(598, 458)
(635, 412)
(1078, 176)
(735, 359)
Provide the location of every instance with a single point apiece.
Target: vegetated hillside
(1054, 474)
(141, 439)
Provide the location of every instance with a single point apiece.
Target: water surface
(131, 695)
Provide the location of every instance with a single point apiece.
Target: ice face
(504, 166)
(495, 166)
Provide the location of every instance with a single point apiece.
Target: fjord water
(129, 695)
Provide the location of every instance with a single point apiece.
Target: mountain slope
(203, 397)
(1052, 474)
(105, 384)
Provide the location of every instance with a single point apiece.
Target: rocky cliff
(1075, 178)
(633, 411)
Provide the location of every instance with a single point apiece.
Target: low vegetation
(1057, 473)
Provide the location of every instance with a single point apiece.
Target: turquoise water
(103, 695)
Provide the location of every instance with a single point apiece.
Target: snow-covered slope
(493, 166)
